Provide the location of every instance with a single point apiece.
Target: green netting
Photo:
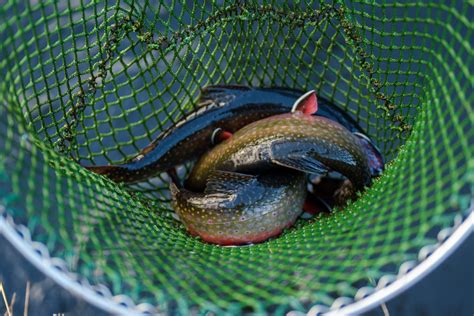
(95, 82)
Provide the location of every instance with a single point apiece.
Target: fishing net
(94, 82)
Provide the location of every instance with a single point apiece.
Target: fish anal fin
(307, 103)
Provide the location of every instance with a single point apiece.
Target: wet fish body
(251, 186)
(310, 144)
(238, 209)
(226, 107)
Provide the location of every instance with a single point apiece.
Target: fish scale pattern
(94, 82)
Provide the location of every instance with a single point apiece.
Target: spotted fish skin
(191, 136)
(222, 106)
(238, 209)
(307, 143)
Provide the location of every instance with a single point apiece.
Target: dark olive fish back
(229, 108)
(307, 143)
(226, 107)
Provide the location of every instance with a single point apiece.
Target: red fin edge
(307, 103)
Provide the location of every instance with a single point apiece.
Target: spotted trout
(228, 108)
(296, 140)
(237, 209)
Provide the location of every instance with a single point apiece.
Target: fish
(226, 107)
(296, 140)
(238, 209)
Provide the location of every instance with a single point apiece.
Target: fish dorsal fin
(227, 182)
(220, 95)
(307, 103)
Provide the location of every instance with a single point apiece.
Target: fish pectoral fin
(219, 135)
(302, 163)
(291, 155)
(227, 182)
(307, 103)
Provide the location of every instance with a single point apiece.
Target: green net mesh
(95, 82)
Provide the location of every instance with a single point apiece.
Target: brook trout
(296, 140)
(239, 209)
(229, 108)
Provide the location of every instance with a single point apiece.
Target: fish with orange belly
(251, 186)
(237, 208)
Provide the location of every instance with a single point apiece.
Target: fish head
(374, 157)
